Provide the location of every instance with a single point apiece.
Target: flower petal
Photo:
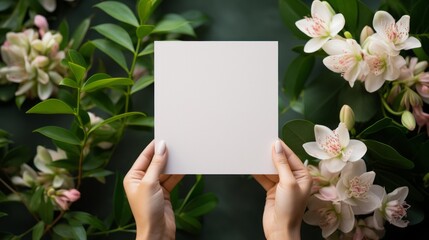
(44, 90)
(337, 24)
(373, 82)
(336, 47)
(347, 218)
(357, 148)
(315, 44)
(313, 149)
(343, 134)
(333, 165)
(49, 5)
(381, 22)
(321, 11)
(304, 25)
(398, 194)
(378, 220)
(368, 205)
(403, 26)
(411, 43)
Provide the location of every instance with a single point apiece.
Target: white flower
(396, 34)
(323, 25)
(329, 216)
(365, 230)
(346, 57)
(382, 65)
(355, 187)
(393, 208)
(50, 5)
(324, 183)
(334, 148)
(28, 177)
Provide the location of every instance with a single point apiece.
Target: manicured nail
(278, 147)
(160, 148)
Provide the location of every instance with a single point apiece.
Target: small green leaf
(415, 215)
(72, 231)
(188, 223)
(142, 83)
(359, 99)
(201, 205)
(385, 154)
(68, 82)
(46, 210)
(7, 92)
(65, 163)
(121, 208)
(51, 106)
(63, 29)
(297, 74)
(96, 173)
(78, 71)
(144, 30)
(103, 101)
(119, 11)
(173, 23)
(2, 214)
(86, 218)
(16, 156)
(111, 50)
(114, 118)
(377, 126)
(195, 18)
(106, 83)
(38, 230)
(36, 199)
(80, 32)
(76, 57)
(5, 4)
(147, 50)
(141, 121)
(144, 10)
(292, 11)
(59, 134)
(116, 34)
(297, 132)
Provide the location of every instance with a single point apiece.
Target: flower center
(331, 144)
(376, 65)
(317, 28)
(396, 211)
(357, 188)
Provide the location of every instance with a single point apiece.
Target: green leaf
(36, 199)
(147, 50)
(103, 101)
(144, 30)
(114, 118)
(292, 11)
(297, 74)
(365, 15)
(116, 34)
(391, 180)
(7, 92)
(96, 173)
(321, 99)
(142, 83)
(385, 154)
(86, 218)
(38, 230)
(78, 71)
(415, 215)
(68, 82)
(195, 18)
(377, 126)
(119, 11)
(121, 208)
(106, 83)
(72, 231)
(111, 50)
(141, 121)
(363, 103)
(2, 214)
(16, 156)
(5, 4)
(46, 210)
(201, 205)
(144, 10)
(63, 29)
(59, 134)
(297, 132)
(16, 19)
(76, 57)
(80, 32)
(173, 23)
(65, 163)
(188, 223)
(51, 106)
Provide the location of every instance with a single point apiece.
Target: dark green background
(241, 199)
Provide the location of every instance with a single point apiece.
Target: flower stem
(390, 110)
(119, 229)
(52, 224)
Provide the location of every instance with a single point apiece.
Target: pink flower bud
(42, 24)
(64, 198)
(366, 32)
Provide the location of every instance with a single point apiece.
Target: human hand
(287, 194)
(148, 193)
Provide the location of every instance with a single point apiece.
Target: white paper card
(216, 106)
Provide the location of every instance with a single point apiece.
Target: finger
(281, 163)
(143, 160)
(294, 162)
(171, 182)
(158, 162)
(266, 183)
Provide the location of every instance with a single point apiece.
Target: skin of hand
(148, 193)
(287, 194)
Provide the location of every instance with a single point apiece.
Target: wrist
(285, 235)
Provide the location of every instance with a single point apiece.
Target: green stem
(390, 110)
(85, 138)
(119, 229)
(49, 226)
(25, 233)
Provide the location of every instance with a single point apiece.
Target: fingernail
(278, 147)
(160, 148)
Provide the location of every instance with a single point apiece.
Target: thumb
(158, 162)
(281, 163)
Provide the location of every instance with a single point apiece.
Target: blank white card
(216, 106)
